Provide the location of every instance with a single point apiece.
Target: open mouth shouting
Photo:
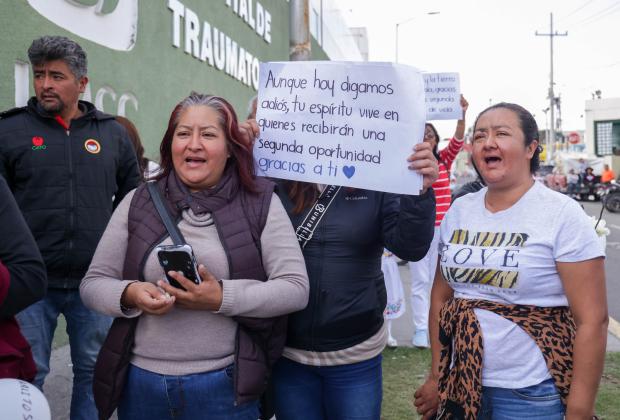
(492, 161)
(194, 161)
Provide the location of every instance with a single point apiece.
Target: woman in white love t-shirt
(518, 315)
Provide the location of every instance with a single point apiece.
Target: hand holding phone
(178, 258)
(208, 295)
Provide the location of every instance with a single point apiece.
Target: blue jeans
(86, 329)
(536, 402)
(151, 396)
(329, 392)
(571, 188)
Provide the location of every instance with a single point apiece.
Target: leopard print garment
(460, 386)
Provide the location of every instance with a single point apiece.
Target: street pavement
(612, 262)
(402, 328)
(58, 384)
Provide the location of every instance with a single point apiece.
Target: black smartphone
(178, 258)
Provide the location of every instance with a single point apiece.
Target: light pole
(551, 97)
(299, 29)
(547, 134)
(405, 21)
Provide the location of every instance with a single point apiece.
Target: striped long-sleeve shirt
(442, 185)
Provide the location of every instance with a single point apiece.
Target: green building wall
(154, 71)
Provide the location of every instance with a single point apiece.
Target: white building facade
(603, 130)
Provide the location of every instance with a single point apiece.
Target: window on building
(607, 137)
(22, 83)
(315, 25)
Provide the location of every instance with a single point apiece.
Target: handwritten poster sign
(442, 96)
(350, 124)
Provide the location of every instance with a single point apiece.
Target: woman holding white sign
(518, 308)
(332, 360)
(423, 271)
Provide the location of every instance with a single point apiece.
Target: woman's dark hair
(305, 194)
(528, 127)
(302, 194)
(436, 147)
(240, 152)
(135, 140)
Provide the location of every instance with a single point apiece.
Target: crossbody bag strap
(306, 229)
(171, 227)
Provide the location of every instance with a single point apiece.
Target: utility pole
(558, 120)
(299, 30)
(551, 34)
(546, 125)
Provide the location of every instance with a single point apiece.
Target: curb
(614, 327)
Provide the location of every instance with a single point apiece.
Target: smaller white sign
(443, 96)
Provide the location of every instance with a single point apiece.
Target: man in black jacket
(68, 165)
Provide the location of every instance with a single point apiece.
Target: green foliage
(607, 405)
(405, 369)
(60, 336)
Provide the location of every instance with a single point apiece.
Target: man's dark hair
(470, 187)
(49, 48)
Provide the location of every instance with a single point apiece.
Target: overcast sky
(492, 45)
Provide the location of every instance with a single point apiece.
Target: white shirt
(510, 257)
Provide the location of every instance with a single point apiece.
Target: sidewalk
(58, 383)
(402, 328)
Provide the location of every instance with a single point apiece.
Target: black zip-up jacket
(66, 181)
(20, 256)
(343, 258)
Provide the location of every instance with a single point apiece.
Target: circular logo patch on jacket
(38, 143)
(92, 146)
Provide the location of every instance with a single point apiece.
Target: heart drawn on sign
(348, 171)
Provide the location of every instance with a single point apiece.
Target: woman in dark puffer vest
(205, 351)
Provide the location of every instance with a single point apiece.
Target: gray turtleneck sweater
(186, 341)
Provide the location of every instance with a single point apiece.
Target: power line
(576, 10)
(598, 15)
(599, 67)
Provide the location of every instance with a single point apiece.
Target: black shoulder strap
(306, 228)
(171, 227)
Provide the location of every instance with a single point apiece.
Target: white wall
(601, 110)
(338, 41)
